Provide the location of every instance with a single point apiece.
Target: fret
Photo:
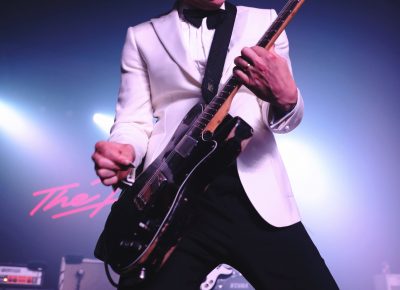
(281, 19)
(200, 122)
(211, 111)
(214, 105)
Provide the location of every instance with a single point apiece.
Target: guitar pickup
(152, 188)
(185, 146)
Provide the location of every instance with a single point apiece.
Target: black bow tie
(195, 17)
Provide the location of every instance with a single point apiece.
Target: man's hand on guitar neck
(268, 76)
(113, 161)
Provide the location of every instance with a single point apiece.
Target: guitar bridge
(147, 193)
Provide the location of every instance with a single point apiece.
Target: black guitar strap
(218, 52)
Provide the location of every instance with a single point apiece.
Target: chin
(205, 4)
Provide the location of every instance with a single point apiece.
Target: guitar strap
(217, 55)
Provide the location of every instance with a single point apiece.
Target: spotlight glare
(104, 122)
(10, 120)
(21, 128)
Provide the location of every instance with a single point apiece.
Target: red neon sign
(68, 201)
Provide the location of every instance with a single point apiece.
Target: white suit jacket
(160, 82)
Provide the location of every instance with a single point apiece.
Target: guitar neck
(218, 108)
(280, 23)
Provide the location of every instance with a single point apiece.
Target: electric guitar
(147, 221)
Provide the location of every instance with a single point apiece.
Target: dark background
(59, 65)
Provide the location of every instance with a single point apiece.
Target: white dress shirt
(197, 41)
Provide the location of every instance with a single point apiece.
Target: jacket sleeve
(133, 122)
(293, 118)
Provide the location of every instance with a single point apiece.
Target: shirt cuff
(288, 121)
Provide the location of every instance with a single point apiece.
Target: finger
(110, 151)
(110, 181)
(260, 51)
(101, 146)
(242, 64)
(118, 153)
(250, 55)
(103, 162)
(106, 173)
(243, 77)
(269, 55)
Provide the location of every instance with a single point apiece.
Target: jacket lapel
(168, 29)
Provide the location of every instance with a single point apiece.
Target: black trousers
(228, 230)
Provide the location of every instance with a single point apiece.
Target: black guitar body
(150, 217)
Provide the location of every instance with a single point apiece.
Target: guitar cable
(110, 279)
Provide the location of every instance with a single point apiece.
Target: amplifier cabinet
(77, 273)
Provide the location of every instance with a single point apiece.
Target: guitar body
(150, 217)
